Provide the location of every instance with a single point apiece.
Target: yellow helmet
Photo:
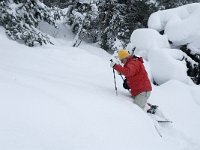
(123, 54)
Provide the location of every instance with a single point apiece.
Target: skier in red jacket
(136, 75)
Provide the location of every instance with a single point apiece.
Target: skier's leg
(141, 99)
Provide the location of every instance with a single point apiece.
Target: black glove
(125, 85)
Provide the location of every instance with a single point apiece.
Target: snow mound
(181, 25)
(146, 39)
(168, 64)
(165, 63)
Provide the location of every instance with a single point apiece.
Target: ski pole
(114, 80)
(122, 77)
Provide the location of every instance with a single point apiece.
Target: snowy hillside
(63, 98)
(60, 97)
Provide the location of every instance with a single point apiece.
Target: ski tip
(164, 121)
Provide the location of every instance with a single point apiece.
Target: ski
(164, 121)
(158, 131)
(157, 114)
(158, 118)
(157, 127)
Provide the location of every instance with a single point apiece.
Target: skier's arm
(129, 70)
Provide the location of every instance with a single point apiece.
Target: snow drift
(181, 25)
(146, 39)
(165, 63)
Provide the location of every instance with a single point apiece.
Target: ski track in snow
(173, 135)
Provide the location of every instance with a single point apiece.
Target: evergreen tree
(106, 9)
(83, 19)
(22, 20)
(120, 19)
(57, 3)
(193, 69)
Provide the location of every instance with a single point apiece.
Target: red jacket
(136, 75)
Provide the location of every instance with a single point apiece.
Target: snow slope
(60, 97)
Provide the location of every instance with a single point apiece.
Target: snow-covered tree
(167, 4)
(121, 18)
(57, 3)
(113, 21)
(20, 18)
(179, 37)
(82, 16)
(193, 69)
(106, 12)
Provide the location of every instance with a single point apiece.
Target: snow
(85, 1)
(181, 25)
(194, 46)
(168, 64)
(165, 63)
(61, 97)
(59, 32)
(147, 39)
(56, 97)
(181, 108)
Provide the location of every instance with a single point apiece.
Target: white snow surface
(165, 63)
(147, 39)
(168, 64)
(181, 25)
(60, 97)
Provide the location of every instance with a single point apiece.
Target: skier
(136, 76)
